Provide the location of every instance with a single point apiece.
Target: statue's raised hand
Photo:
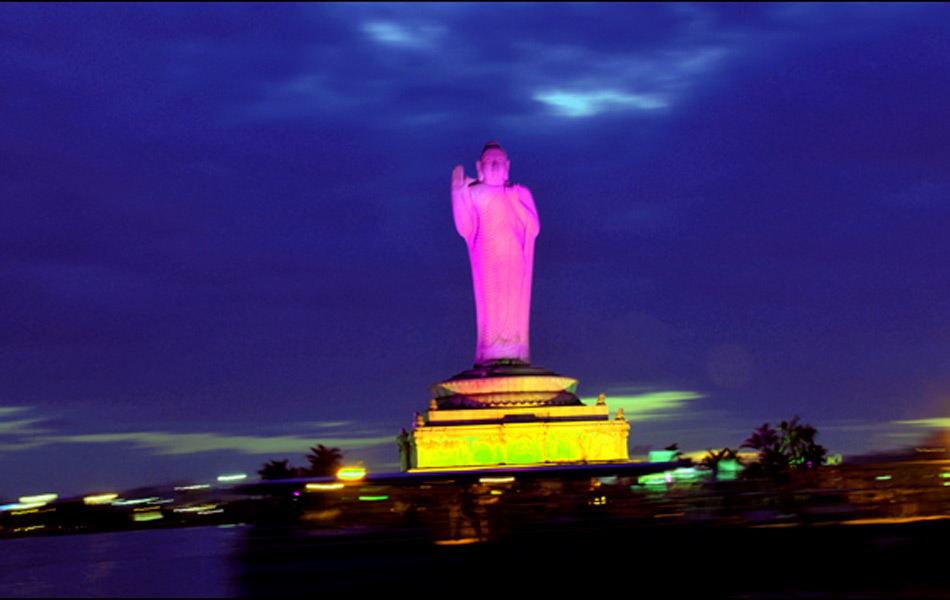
(460, 180)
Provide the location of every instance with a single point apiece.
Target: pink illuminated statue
(499, 222)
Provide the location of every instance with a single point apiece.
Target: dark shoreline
(883, 560)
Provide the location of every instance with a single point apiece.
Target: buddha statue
(499, 222)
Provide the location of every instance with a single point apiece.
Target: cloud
(587, 104)
(328, 424)
(9, 410)
(167, 443)
(22, 434)
(19, 427)
(649, 405)
(406, 35)
(19, 434)
(933, 422)
(579, 82)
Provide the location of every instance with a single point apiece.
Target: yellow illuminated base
(491, 437)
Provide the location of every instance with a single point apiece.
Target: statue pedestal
(511, 415)
(505, 386)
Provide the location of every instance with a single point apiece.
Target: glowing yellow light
(99, 498)
(27, 511)
(38, 499)
(320, 487)
(235, 477)
(151, 515)
(495, 479)
(202, 509)
(351, 473)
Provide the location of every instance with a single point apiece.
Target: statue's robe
(500, 226)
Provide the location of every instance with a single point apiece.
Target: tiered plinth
(511, 386)
(515, 415)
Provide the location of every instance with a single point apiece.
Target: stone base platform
(514, 435)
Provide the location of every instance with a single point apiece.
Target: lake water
(881, 561)
(181, 562)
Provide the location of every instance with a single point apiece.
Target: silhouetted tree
(277, 469)
(791, 446)
(798, 444)
(762, 438)
(713, 458)
(675, 449)
(324, 461)
(771, 462)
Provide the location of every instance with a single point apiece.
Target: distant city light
(99, 498)
(203, 509)
(38, 498)
(147, 514)
(196, 486)
(321, 487)
(135, 501)
(351, 473)
(15, 507)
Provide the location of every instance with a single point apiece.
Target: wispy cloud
(643, 405)
(406, 35)
(167, 443)
(587, 104)
(20, 426)
(932, 423)
(579, 82)
(9, 410)
(17, 434)
(23, 434)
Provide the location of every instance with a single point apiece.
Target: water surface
(179, 562)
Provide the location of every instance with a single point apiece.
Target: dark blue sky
(227, 234)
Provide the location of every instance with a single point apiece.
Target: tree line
(788, 447)
(323, 462)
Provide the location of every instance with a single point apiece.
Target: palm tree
(772, 460)
(277, 469)
(798, 444)
(762, 438)
(324, 461)
(712, 460)
(790, 446)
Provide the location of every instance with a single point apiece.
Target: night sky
(226, 230)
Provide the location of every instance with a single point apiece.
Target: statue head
(493, 165)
